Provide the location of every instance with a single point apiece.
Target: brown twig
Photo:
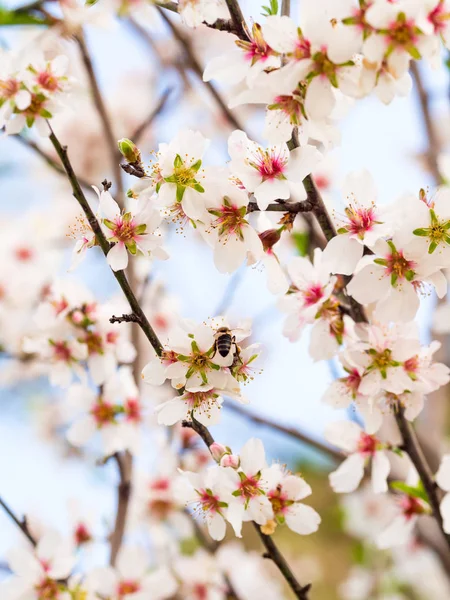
(195, 66)
(51, 162)
(282, 206)
(156, 111)
(103, 114)
(432, 152)
(123, 498)
(220, 24)
(132, 318)
(237, 18)
(104, 245)
(293, 432)
(300, 591)
(22, 525)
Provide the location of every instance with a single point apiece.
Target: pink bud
(230, 460)
(217, 450)
(77, 316)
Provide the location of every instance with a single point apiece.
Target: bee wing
(240, 333)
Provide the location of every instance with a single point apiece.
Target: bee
(225, 343)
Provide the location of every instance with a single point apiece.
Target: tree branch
(104, 245)
(300, 592)
(47, 158)
(220, 24)
(237, 18)
(104, 116)
(433, 142)
(22, 525)
(292, 432)
(195, 66)
(132, 318)
(124, 463)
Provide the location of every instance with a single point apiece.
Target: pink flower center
(103, 413)
(200, 591)
(411, 365)
(302, 49)
(82, 534)
(438, 18)
(249, 487)
(126, 587)
(112, 337)
(208, 502)
(402, 33)
(160, 322)
(322, 182)
(313, 294)
(47, 81)
(24, 254)
(230, 219)
(125, 230)
(47, 589)
(133, 410)
(411, 506)
(162, 484)
(291, 106)
(9, 88)
(360, 220)
(367, 444)
(279, 500)
(268, 164)
(62, 352)
(398, 265)
(353, 380)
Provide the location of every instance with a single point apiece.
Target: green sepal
(109, 224)
(178, 162)
(409, 275)
(421, 232)
(415, 492)
(432, 247)
(180, 193)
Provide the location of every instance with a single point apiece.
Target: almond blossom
(273, 173)
(40, 572)
(132, 578)
(178, 177)
(399, 531)
(130, 232)
(228, 229)
(285, 493)
(115, 412)
(191, 361)
(247, 61)
(363, 225)
(248, 487)
(393, 280)
(361, 447)
(208, 493)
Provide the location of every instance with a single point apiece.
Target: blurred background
(151, 83)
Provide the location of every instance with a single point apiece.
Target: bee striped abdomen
(224, 344)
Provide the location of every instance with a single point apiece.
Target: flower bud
(270, 237)
(129, 150)
(230, 460)
(218, 451)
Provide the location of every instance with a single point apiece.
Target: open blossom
(200, 577)
(393, 278)
(312, 286)
(228, 229)
(178, 176)
(31, 93)
(248, 487)
(38, 572)
(130, 232)
(409, 507)
(363, 224)
(115, 412)
(272, 173)
(247, 61)
(427, 225)
(193, 362)
(361, 447)
(285, 492)
(208, 494)
(132, 578)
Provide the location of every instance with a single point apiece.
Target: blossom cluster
(31, 91)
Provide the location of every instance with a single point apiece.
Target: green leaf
(301, 240)
(358, 553)
(17, 17)
(415, 492)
